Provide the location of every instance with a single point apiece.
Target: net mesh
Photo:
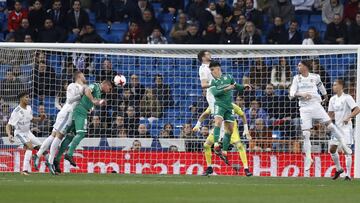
(146, 127)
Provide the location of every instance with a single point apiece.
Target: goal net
(146, 126)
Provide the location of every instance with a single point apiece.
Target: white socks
(45, 145)
(348, 162)
(53, 149)
(27, 158)
(307, 144)
(335, 158)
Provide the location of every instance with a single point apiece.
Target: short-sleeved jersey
(21, 118)
(222, 98)
(74, 92)
(342, 107)
(310, 85)
(85, 103)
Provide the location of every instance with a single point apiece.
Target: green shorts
(226, 114)
(80, 121)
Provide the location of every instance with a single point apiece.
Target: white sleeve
(350, 102)
(72, 94)
(331, 106)
(273, 80)
(320, 85)
(202, 74)
(293, 87)
(14, 118)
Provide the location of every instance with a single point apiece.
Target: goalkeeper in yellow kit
(235, 140)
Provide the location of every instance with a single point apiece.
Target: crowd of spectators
(182, 21)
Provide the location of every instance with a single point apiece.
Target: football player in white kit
(305, 87)
(74, 93)
(342, 108)
(20, 119)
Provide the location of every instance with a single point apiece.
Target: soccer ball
(120, 80)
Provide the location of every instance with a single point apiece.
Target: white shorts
(211, 100)
(27, 137)
(310, 113)
(63, 121)
(348, 135)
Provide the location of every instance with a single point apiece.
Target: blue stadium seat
(304, 27)
(119, 27)
(323, 27)
(166, 17)
(167, 26)
(101, 27)
(315, 19)
(302, 19)
(92, 17)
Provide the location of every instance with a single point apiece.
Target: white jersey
(21, 118)
(74, 92)
(342, 107)
(205, 74)
(310, 85)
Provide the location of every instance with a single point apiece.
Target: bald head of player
(215, 68)
(204, 57)
(24, 99)
(304, 67)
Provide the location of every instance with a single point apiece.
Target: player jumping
(342, 108)
(235, 140)
(74, 93)
(20, 119)
(92, 97)
(305, 87)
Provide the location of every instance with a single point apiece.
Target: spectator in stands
(255, 112)
(4, 116)
(106, 11)
(49, 33)
(294, 35)
(212, 8)
(193, 35)
(238, 9)
(128, 99)
(137, 89)
(186, 132)
(270, 102)
(60, 98)
(240, 102)
(179, 30)
(329, 9)
(253, 14)
(229, 36)
(77, 18)
(281, 74)
(42, 128)
(122, 133)
(136, 146)
(277, 35)
(44, 76)
(167, 131)
(15, 17)
(10, 84)
(96, 129)
(250, 35)
(320, 132)
(336, 32)
(135, 10)
(162, 92)
(106, 72)
(19, 74)
(240, 24)
(68, 70)
(134, 35)
(196, 9)
(89, 35)
(350, 10)
(219, 23)
(173, 148)
(28, 39)
(261, 136)
(224, 10)
(211, 35)
(172, 6)
(37, 16)
(156, 37)
(259, 75)
(312, 37)
(354, 33)
(23, 30)
(283, 9)
(148, 23)
(149, 106)
(142, 132)
(303, 7)
(325, 78)
(57, 14)
(117, 125)
(204, 132)
(131, 122)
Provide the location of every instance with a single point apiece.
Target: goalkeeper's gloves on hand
(197, 127)
(246, 132)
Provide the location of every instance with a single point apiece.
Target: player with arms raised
(342, 108)
(74, 93)
(92, 97)
(20, 119)
(305, 87)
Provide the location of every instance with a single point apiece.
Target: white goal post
(178, 67)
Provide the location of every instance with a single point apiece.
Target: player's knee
(239, 146)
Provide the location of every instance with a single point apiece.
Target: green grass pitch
(97, 188)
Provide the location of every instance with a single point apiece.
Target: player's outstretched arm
(9, 133)
(202, 117)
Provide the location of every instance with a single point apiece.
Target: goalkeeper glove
(197, 127)
(246, 132)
